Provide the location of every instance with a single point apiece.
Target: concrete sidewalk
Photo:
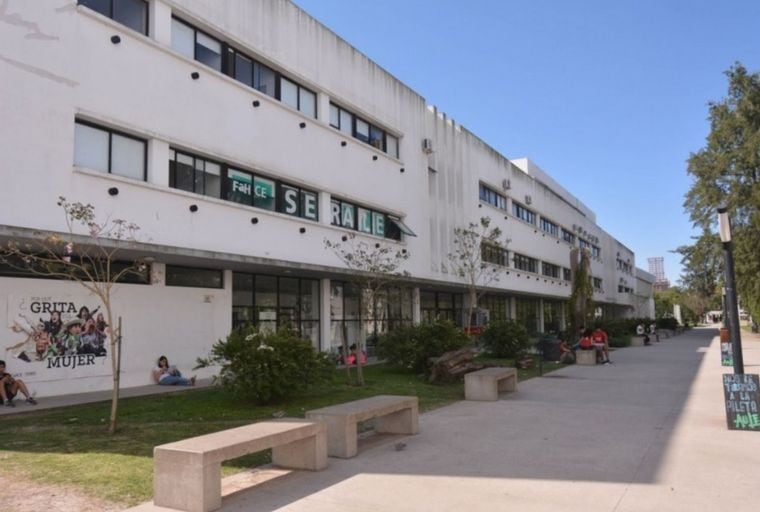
(647, 433)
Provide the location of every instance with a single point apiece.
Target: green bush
(667, 323)
(620, 341)
(411, 347)
(268, 367)
(505, 339)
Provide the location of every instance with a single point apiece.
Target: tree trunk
(115, 366)
(349, 379)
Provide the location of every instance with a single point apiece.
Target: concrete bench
(585, 357)
(638, 341)
(486, 384)
(393, 414)
(187, 473)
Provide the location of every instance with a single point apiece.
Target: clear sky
(608, 96)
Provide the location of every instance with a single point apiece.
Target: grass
(70, 446)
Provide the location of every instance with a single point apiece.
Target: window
(350, 124)
(568, 236)
(368, 221)
(108, 151)
(598, 284)
(130, 13)
(567, 274)
(492, 253)
(194, 277)
(212, 52)
(549, 227)
(550, 270)
(596, 252)
(492, 197)
(523, 213)
(194, 44)
(200, 176)
(195, 174)
(525, 263)
(583, 244)
(441, 306)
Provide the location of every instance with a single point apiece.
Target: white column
(324, 315)
(416, 309)
(158, 162)
(160, 17)
(323, 108)
(541, 315)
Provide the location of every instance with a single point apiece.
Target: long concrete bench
(393, 414)
(187, 473)
(486, 384)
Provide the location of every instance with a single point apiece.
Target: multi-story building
(657, 268)
(240, 136)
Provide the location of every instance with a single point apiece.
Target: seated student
(10, 386)
(641, 331)
(566, 354)
(166, 375)
(601, 343)
(586, 342)
(351, 359)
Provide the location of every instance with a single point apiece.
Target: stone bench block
(486, 384)
(585, 357)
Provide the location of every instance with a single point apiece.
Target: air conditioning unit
(528, 199)
(427, 145)
(506, 184)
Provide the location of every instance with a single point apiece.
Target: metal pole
(732, 309)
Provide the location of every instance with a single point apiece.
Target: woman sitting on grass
(166, 375)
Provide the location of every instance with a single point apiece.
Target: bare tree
(466, 260)
(582, 297)
(90, 260)
(375, 268)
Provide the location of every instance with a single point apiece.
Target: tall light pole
(732, 309)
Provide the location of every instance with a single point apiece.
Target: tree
(726, 172)
(582, 295)
(90, 260)
(702, 264)
(375, 267)
(466, 260)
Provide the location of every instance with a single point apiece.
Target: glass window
(90, 147)
(391, 145)
(346, 122)
(335, 211)
(288, 93)
(376, 137)
(378, 223)
(348, 214)
(183, 175)
(132, 13)
(365, 220)
(101, 6)
(334, 116)
(266, 292)
(309, 205)
(127, 157)
(240, 186)
(263, 193)
(307, 102)
(243, 69)
(183, 38)
(208, 51)
(288, 292)
(309, 299)
(264, 79)
(336, 301)
(289, 201)
(362, 130)
(194, 277)
(213, 180)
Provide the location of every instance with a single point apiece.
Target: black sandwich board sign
(742, 393)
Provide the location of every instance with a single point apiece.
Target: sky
(608, 97)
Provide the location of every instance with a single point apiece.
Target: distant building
(657, 269)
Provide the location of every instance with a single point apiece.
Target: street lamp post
(732, 309)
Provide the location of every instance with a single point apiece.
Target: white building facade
(240, 136)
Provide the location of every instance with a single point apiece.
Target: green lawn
(70, 446)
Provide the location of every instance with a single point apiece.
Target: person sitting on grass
(566, 354)
(10, 386)
(351, 359)
(166, 375)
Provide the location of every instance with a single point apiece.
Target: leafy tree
(702, 264)
(88, 259)
(726, 172)
(375, 267)
(466, 260)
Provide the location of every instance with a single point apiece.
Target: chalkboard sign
(742, 393)
(726, 353)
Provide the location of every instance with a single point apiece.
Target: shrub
(620, 341)
(267, 367)
(505, 339)
(667, 323)
(411, 347)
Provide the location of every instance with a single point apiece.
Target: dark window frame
(111, 132)
(220, 272)
(550, 270)
(524, 214)
(492, 197)
(110, 14)
(525, 263)
(371, 126)
(549, 227)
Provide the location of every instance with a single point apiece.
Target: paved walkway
(647, 433)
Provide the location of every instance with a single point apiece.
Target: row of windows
(197, 45)
(201, 176)
(549, 227)
(624, 266)
(523, 213)
(525, 263)
(550, 270)
(350, 216)
(356, 127)
(494, 254)
(110, 151)
(624, 289)
(568, 236)
(131, 13)
(492, 197)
